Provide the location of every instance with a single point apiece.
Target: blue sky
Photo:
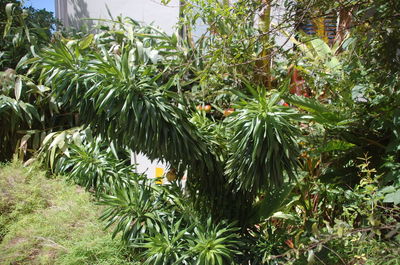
(40, 4)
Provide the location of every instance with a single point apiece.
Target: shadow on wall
(80, 18)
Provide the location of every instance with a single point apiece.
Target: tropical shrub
(154, 221)
(272, 177)
(28, 111)
(23, 30)
(126, 89)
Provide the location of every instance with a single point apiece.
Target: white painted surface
(148, 167)
(278, 24)
(278, 12)
(74, 13)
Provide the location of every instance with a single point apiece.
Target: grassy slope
(46, 221)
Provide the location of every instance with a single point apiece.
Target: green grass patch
(46, 221)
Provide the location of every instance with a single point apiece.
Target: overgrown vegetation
(292, 156)
(46, 221)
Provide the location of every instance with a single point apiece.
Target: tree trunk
(345, 18)
(265, 26)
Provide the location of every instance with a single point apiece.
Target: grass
(47, 221)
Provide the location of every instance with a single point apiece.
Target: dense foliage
(28, 110)
(292, 156)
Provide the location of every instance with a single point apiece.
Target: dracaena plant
(163, 229)
(126, 86)
(27, 110)
(132, 208)
(122, 91)
(95, 168)
(18, 117)
(263, 150)
(15, 115)
(169, 245)
(214, 244)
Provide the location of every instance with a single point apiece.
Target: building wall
(74, 12)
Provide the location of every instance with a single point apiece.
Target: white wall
(73, 12)
(152, 169)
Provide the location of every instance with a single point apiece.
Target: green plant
(290, 174)
(132, 208)
(27, 110)
(133, 99)
(94, 167)
(327, 223)
(15, 116)
(263, 147)
(169, 245)
(23, 30)
(212, 244)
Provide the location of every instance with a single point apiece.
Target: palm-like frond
(169, 246)
(323, 114)
(96, 169)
